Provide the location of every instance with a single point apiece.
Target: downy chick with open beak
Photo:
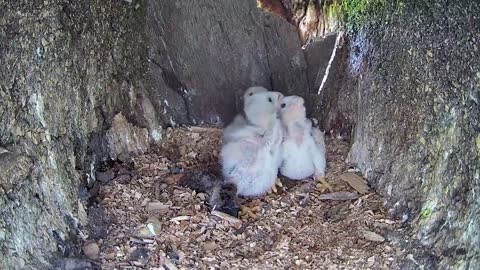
(303, 147)
(250, 155)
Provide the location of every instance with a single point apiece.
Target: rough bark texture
(313, 18)
(411, 90)
(206, 54)
(69, 68)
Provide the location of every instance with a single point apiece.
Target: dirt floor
(143, 219)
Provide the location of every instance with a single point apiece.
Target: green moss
(426, 213)
(334, 10)
(355, 13)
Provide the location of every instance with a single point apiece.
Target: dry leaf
(356, 182)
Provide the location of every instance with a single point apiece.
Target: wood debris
(157, 207)
(159, 224)
(225, 217)
(372, 236)
(338, 196)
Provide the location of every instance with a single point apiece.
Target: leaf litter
(159, 224)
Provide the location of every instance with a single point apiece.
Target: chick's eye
(283, 105)
(270, 99)
(251, 94)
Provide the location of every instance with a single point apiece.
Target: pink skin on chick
(303, 155)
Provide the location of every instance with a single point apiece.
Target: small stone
(91, 250)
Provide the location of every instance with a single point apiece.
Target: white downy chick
(303, 147)
(233, 130)
(251, 156)
(238, 128)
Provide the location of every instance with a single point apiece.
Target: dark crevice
(271, 81)
(227, 38)
(176, 85)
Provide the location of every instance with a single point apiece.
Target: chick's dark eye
(251, 94)
(270, 99)
(283, 105)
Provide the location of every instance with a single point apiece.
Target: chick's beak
(280, 97)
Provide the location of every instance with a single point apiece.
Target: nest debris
(156, 223)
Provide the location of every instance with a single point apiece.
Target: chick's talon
(247, 212)
(278, 182)
(274, 187)
(323, 185)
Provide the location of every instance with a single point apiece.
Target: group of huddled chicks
(271, 135)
